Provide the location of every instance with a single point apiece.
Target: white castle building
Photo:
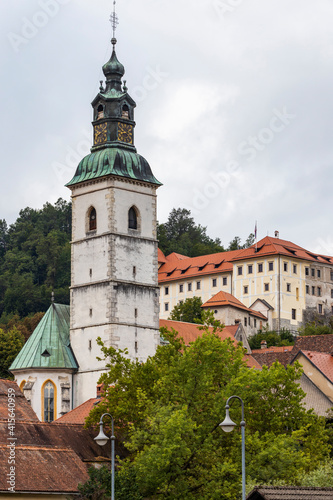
(114, 288)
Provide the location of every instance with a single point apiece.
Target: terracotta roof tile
(160, 257)
(190, 332)
(275, 246)
(268, 358)
(274, 348)
(224, 299)
(323, 361)
(185, 267)
(79, 414)
(75, 436)
(318, 343)
(43, 469)
(23, 410)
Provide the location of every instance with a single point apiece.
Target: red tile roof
(179, 266)
(190, 332)
(274, 348)
(318, 343)
(43, 469)
(251, 362)
(160, 256)
(186, 267)
(224, 299)
(23, 410)
(323, 361)
(268, 358)
(275, 246)
(79, 414)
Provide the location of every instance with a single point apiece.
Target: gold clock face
(125, 132)
(100, 135)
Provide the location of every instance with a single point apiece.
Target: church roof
(49, 345)
(114, 161)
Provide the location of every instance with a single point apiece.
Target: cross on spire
(114, 20)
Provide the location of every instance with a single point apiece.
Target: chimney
(263, 344)
(276, 234)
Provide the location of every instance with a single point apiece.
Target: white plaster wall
(56, 376)
(90, 305)
(90, 254)
(130, 252)
(143, 198)
(83, 198)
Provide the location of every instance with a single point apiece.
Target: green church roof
(49, 345)
(114, 161)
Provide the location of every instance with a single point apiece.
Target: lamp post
(227, 426)
(102, 439)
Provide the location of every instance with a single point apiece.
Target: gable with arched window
(49, 402)
(132, 218)
(92, 219)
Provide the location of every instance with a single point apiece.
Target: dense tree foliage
(189, 311)
(167, 412)
(35, 259)
(11, 342)
(98, 486)
(182, 235)
(317, 328)
(272, 338)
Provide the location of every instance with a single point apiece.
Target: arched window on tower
(100, 112)
(92, 219)
(132, 219)
(48, 399)
(22, 384)
(125, 112)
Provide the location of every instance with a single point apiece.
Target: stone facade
(114, 291)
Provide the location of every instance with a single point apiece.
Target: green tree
(316, 328)
(167, 413)
(180, 234)
(35, 259)
(272, 338)
(189, 311)
(11, 342)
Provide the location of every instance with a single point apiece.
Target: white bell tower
(114, 287)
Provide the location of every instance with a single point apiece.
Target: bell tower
(114, 287)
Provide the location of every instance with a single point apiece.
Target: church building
(114, 292)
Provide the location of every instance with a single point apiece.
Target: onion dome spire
(113, 69)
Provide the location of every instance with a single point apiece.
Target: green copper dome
(113, 67)
(49, 345)
(114, 161)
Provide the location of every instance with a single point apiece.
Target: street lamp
(102, 439)
(227, 426)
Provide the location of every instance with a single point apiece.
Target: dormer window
(100, 112)
(125, 112)
(92, 220)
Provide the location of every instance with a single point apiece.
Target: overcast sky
(234, 106)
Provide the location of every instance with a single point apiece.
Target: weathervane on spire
(114, 22)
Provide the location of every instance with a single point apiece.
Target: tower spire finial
(114, 22)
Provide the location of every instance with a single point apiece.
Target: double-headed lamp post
(102, 439)
(227, 426)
